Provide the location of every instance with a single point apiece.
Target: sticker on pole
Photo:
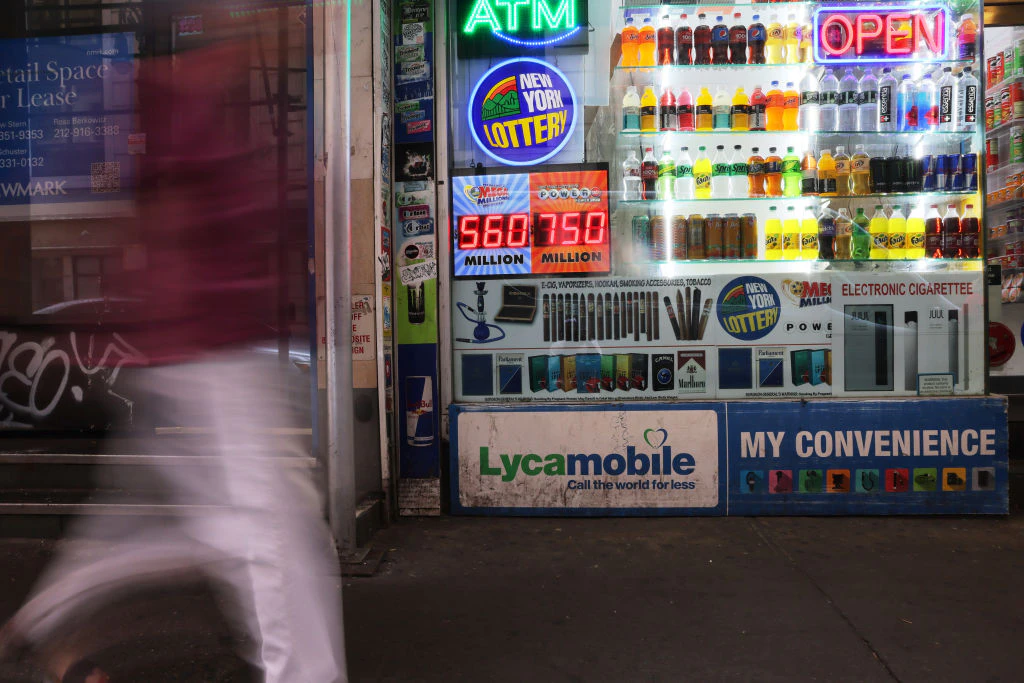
(522, 112)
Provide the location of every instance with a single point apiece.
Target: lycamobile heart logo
(648, 433)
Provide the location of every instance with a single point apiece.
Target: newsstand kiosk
(716, 259)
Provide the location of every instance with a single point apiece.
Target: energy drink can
(419, 410)
(896, 173)
(657, 238)
(940, 172)
(748, 234)
(679, 230)
(928, 173)
(879, 174)
(952, 169)
(969, 164)
(642, 237)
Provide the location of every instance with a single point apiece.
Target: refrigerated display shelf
(820, 133)
(1004, 127)
(882, 195)
(993, 89)
(798, 65)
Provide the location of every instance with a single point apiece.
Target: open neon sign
(880, 34)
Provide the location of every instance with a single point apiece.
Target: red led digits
(499, 230)
(547, 224)
(570, 229)
(469, 232)
(493, 231)
(565, 229)
(597, 222)
(518, 230)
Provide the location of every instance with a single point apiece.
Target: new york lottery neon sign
(880, 34)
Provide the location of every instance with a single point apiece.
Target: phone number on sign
(21, 162)
(24, 134)
(86, 131)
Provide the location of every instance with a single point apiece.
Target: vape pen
(695, 314)
(547, 319)
(684, 316)
(954, 344)
(637, 316)
(590, 317)
(881, 354)
(657, 315)
(600, 317)
(967, 352)
(704, 318)
(910, 351)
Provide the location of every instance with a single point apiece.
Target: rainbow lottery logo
(748, 308)
(522, 112)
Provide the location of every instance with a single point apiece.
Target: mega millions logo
(804, 293)
(748, 308)
(486, 195)
(522, 112)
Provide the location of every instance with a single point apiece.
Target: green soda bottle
(861, 236)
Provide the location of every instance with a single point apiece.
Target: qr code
(106, 176)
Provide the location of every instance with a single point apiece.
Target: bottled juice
(844, 234)
(773, 44)
(774, 107)
(648, 110)
(667, 115)
(827, 175)
(932, 233)
(879, 229)
(702, 41)
(915, 234)
(897, 234)
(809, 236)
(773, 236)
(631, 109)
(809, 174)
(702, 175)
(861, 236)
(666, 42)
(648, 43)
(773, 174)
(791, 235)
(740, 110)
(758, 109)
(721, 110)
(630, 44)
(704, 117)
(684, 41)
(860, 172)
(684, 110)
(790, 107)
(842, 171)
(792, 179)
(791, 40)
(755, 174)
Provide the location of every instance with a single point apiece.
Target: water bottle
(967, 101)
(906, 104)
(927, 104)
(720, 172)
(807, 118)
(631, 177)
(684, 175)
(867, 102)
(848, 102)
(828, 110)
(886, 101)
(948, 92)
(738, 169)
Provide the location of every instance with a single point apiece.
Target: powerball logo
(486, 195)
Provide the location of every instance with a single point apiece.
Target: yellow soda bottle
(773, 44)
(898, 234)
(790, 235)
(809, 236)
(740, 110)
(773, 236)
(702, 175)
(806, 46)
(879, 229)
(842, 171)
(915, 234)
(860, 172)
(703, 112)
(791, 40)
(649, 110)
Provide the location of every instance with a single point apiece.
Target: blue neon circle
(530, 162)
(519, 42)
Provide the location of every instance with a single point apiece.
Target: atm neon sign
(524, 23)
(880, 34)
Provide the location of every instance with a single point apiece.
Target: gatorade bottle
(808, 175)
(773, 174)
(809, 236)
(649, 174)
(915, 234)
(775, 106)
(738, 170)
(879, 229)
(684, 110)
(791, 41)
(758, 109)
(860, 172)
(861, 236)
(684, 41)
(684, 175)
(843, 166)
(722, 110)
(755, 174)
(704, 116)
(631, 110)
(648, 110)
(702, 175)
(719, 42)
(791, 236)
(702, 41)
(932, 233)
(827, 175)
(648, 43)
(897, 234)
(737, 41)
(790, 107)
(756, 35)
(666, 42)
(668, 119)
(791, 176)
(630, 44)
(966, 37)
(773, 236)
(844, 235)
(666, 175)
(740, 110)
(774, 42)
(720, 174)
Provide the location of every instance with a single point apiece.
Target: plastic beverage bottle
(886, 99)
(791, 235)
(684, 175)
(906, 104)
(806, 44)
(867, 102)
(738, 170)
(755, 173)
(879, 229)
(775, 105)
(809, 236)
(719, 174)
(915, 234)
(756, 35)
(668, 119)
(773, 174)
(631, 109)
(967, 101)
(648, 43)
(684, 110)
(758, 109)
(791, 176)
(808, 174)
(932, 233)
(790, 107)
(807, 118)
(774, 43)
(649, 174)
(969, 230)
(722, 110)
(843, 167)
(897, 234)
(827, 235)
(702, 175)
(737, 40)
(631, 183)
(666, 175)
(848, 102)
(828, 99)
(948, 91)
(740, 110)
(951, 247)
(719, 42)
(702, 41)
(966, 37)
(791, 40)
(704, 116)
(861, 236)
(648, 110)
(927, 104)
(828, 176)
(666, 42)
(860, 172)
(684, 41)
(630, 44)
(773, 235)
(844, 235)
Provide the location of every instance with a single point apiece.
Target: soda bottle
(669, 119)
(887, 119)
(879, 229)
(738, 170)
(648, 110)
(906, 104)
(666, 42)
(860, 172)
(756, 40)
(704, 117)
(806, 45)
(791, 176)
(791, 236)
(808, 174)
(828, 109)
(773, 236)
(897, 234)
(867, 102)
(630, 44)
(684, 110)
(807, 119)
(915, 241)
(649, 174)
(702, 175)
(843, 167)
(827, 235)
(773, 174)
(848, 102)
(861, 236)
(737, 41)
(932, 233)
(966, 37)
(666, 175)
(948, 91)
(828, 176)
(631, 183)
(844, 235)
(684, 41)
(740, 110)
(719, 42)
(791, 41)
(755, 174)
(776, 103)
(967, 101)
(631, 110)
(790, 107)
(702, 41)
(722, 110)
(809, 236)
(969, 231)
(684, 175)
(774, 42)
(927, 104)
(648, 43)
(758, 109)
(719, 174)
(951, 247)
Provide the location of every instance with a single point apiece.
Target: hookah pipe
(482, 331)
